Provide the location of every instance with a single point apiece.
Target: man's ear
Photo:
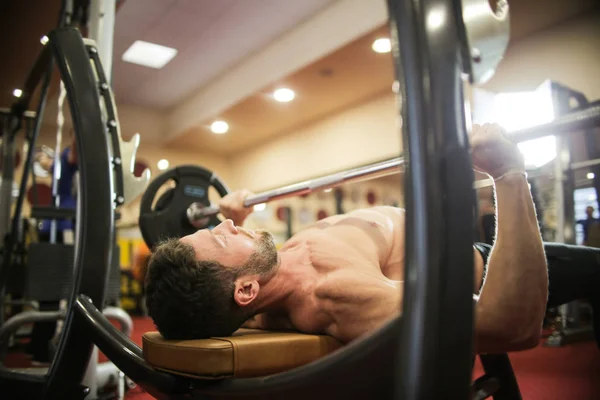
(246, 290)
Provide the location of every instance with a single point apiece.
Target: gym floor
(567, 373)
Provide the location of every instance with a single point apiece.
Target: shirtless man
(343, 276)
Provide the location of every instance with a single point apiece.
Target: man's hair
(192, 299)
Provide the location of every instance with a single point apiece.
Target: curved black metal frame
(95, 229)
(439, 259)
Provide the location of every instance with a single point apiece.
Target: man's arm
(512, 302)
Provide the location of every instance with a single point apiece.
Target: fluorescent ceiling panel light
(149, 54)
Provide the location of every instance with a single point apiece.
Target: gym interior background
(231, 55)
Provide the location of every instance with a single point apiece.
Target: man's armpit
(478, 269)
(269, 322)
(252, 323)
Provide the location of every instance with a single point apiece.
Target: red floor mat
(566, 373)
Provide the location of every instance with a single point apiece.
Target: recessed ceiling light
(591, 175)
(149, 54)
(44, 39)
(284, 95)
(219, 127)
(382, 45)
(163, 164)
(17, 92)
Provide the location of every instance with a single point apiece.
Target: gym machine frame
(412, 358)
(93, 242)
(570, 330)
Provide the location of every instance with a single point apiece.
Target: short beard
(264, 261)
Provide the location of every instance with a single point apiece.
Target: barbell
(184, 209)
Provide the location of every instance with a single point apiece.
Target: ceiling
(346, 77)
(217, 38)
(353, 73)
(22, 24)
(210, 36)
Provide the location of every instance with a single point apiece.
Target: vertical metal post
(6, 186)
(101, 30)
(564, 188)
(57, 168)
(562, 159)
(427, 47)
(90, 379)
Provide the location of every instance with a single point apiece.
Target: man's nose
(229, 226)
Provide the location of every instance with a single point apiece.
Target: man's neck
(287, 287)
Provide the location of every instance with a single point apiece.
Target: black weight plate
(164, 200)
(168, 219)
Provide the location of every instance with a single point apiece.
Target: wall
(568, 53)
(362, 134)
(368, 132)
(305, 209)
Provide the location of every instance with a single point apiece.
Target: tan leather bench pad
(247, 353)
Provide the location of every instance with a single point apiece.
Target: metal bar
(499, 367)
(575, 121)
(564, 154)
(57, 167)
(390, 167)
(585, 164)
(373, 171)
(6, 186)
(562, 125)
(27, 114)
(358, 174)
(11, 240)
(14, 323)
(124, 353)
(101, 29)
